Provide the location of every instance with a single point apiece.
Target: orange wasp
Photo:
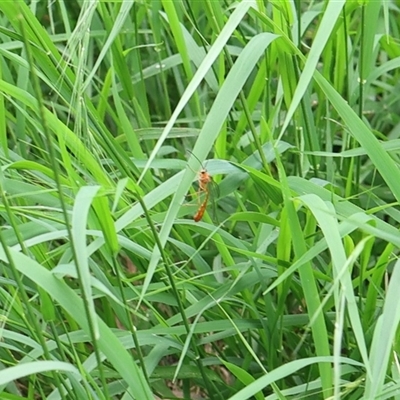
(204, 179)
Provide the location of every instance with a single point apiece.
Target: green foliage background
(108, 111)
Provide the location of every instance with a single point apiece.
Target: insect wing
(214, 192)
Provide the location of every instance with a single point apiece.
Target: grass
(110, 290)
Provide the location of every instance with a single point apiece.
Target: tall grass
(110, 290)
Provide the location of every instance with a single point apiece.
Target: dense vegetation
(288, 286)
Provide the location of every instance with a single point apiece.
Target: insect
(204, 180)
